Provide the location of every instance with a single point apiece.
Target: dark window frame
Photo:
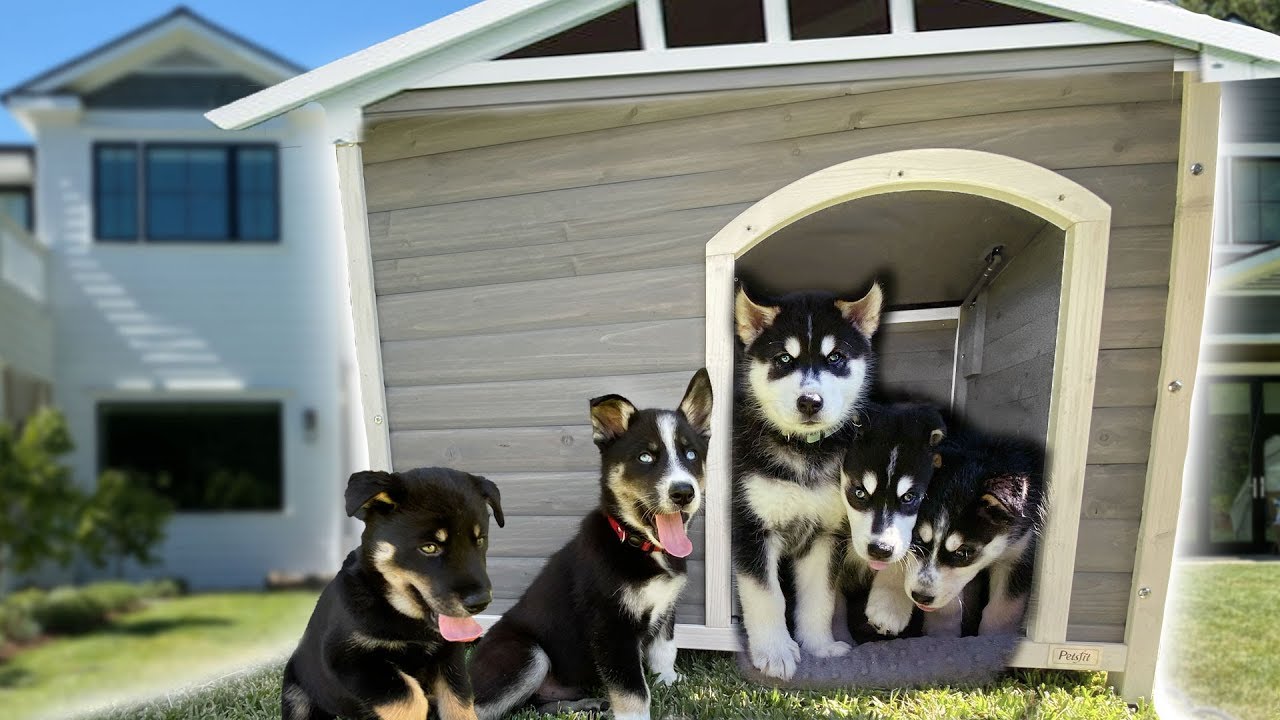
(103, 406)
(27, 192)
(1232, 204)
(144, 234)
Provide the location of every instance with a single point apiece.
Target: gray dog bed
(900, 663)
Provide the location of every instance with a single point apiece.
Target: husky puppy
(884, 479)
(606, 600)
(803, 371)
(983, 513)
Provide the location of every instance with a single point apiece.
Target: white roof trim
(493, 27)
(1245, 270)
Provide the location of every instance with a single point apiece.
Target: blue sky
(36, 35)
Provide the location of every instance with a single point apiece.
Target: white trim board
(491, 28)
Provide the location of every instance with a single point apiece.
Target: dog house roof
(459, 49)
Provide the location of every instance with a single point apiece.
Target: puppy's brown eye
(964, 553)
(646, 458)
(908, 497)
(430, 549)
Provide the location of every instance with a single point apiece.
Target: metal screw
(1144, 593)
(902, 173)
(377, 419)
(1175, 386)
(1196, 168)
(1061, 198)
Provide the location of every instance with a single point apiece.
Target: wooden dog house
(546, 200)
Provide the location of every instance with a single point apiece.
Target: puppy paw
(888, 614)
(669, 677)
(827, 648)
(776, 656)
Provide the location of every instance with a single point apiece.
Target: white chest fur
(779, 503)
(654, 598)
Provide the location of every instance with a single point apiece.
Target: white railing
(23, 260)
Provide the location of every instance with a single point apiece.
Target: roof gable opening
(712, 22)
(957, 14)
(813, 19)
(616, 31)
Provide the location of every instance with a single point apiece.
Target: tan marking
(413, 707)
(450, 706)
(369, 642)
(954, 540)
(991, 500)
(400, 581)
(936, 436)
(610, 418)
(623, 704)
(442, 534)
(476, 531)
(937, 460)
(381, 497)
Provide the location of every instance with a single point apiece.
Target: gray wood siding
(527, 257)
(915, 359)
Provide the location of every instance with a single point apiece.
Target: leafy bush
(124, 518)
(17, 624)
(163, 588)
(70, 611)
(115, 597)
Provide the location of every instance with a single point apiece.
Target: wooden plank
(1095, 633)
(422, 231)
(525, 403)
(540, 449)
(719, 364)
(1106, 545)
(893, 339)
(1056, 138)
(937, 392)
(427, 132)
(1120, 435)
(1134, 317)
(1127, 378)
(1099, 598)
(554, 493)
(1139, 257)
(918, 367)
(1025, 296)
(668, 293)
(363, 308)
(1138, 195)
(1114, 492)
(1188, 286)
(576, 352)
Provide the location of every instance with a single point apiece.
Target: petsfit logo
(1075, 656)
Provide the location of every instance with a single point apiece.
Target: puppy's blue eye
(783, 359)
(430, 549)
(835, 357)
(860, 493)
(646, 458)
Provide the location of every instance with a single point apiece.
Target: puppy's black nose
(681, 494)
(880, 551)
(809, 404)
(477, 601)
(922, 598)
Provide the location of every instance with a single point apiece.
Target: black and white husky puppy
(803, 371)
(884, 479)
(607, 599)
(983, 513)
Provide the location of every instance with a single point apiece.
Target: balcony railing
(23, 260)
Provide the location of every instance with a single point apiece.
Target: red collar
(634, 541)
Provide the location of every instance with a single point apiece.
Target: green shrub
(115, 596)
(163, 588)
(17, 625)
(68, 611)
(26, 599)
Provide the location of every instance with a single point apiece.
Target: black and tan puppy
(387, 635)
(606, 600)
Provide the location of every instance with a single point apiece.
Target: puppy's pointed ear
(751, 319)
(369, 490)
(864, 314)
(696, 405)
(1005, 497)
(609, 417)
(489, 491)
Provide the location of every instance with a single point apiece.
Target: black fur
(357, 643)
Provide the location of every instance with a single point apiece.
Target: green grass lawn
(170, 643)
(713, 689)
(1222, 646)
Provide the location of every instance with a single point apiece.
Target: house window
(16, 203)
(1255, 201)
(187, 193)
(204, 456)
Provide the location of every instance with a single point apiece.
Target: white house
(196, 292)
(26, 328)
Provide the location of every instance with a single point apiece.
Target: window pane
(615, 31)
(1268, 223)
(712, 22)
(811, 19)
(17, 205)
(956, 14)
(187, 193)
(1244, 181)
(256, 194)
(203, 456)
(1268, 180)
(116, 192)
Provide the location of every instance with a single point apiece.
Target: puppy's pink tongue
(672, 535)
(877, 565)
(459, 629)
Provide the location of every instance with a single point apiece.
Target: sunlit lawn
(169, 644)
(1222, 648)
